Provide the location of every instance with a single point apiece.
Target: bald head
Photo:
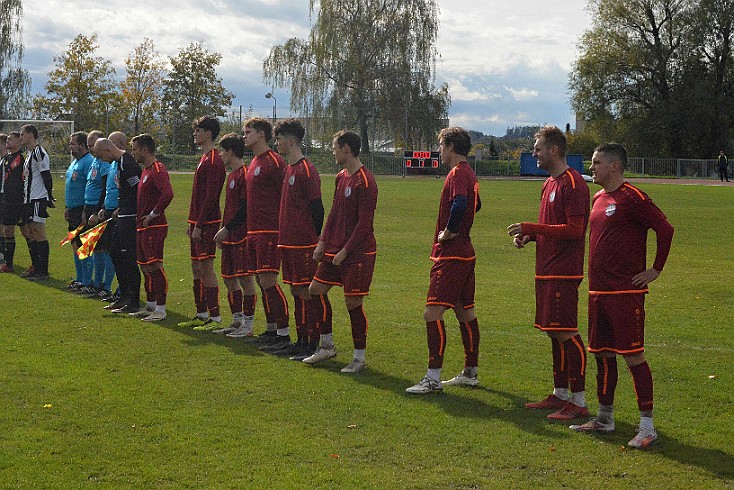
(119, 139)
(106, 150)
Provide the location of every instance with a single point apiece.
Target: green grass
(88, 398)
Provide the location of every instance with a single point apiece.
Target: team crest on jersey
(347, 192)
(257, 170)
(94, 173)
(552, 196)
(292, 180)
(145, 179)
(74, 175)
(611, 209)
(231, 184)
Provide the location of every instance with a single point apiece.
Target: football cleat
(425, 386)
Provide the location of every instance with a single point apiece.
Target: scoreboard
(421, 159)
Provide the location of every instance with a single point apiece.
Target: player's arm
(664, 235)
(366, 204)
(48, 182)
(317, 214)
(458, 209)
(211, 195)
(573, 230)
(163, 182)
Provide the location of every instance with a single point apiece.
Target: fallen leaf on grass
(47, 405)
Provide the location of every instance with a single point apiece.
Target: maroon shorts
(298, 265)
(617, 323)
(205, 248)
(452, 283)
(262, 253)
(234, 259)
(556, 305)
(355, 277)
(149, 244)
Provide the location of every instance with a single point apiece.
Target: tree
(142, 89)
(81, 86)
(365, 61)
(192, 89)
(15, 83)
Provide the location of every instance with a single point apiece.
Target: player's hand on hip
(318, 252)
(645, 277)
(340, 256)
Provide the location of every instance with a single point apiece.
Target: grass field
(89, 398)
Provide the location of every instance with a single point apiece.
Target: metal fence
(391, 164)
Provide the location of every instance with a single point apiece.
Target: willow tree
(364, 61)
(15, 83)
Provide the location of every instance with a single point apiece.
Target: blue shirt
(97, 170)
(76, 181)
(111, 192)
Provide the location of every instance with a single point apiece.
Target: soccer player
(560, 236)
(3, 152)
(347, 249)
(76, 182)
(232, 239)
(264, 185)
(452, 274)
(123, 242)
(38, 195)
(154, 195)
(110, 202)
(621, 216)
(301, 219)
(13, 194)
(204, 219)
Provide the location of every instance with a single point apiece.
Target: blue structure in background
(529, 165)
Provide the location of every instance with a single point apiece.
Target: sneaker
(549, 402)
(73, 286)
(103, 294)
(354, 367)
(594, 425)
(28, 273)
(208, 325)
(115, 305)
(156, 316)
(85, 290)
(142, 313)
(290, 350)
(277, 343)
(569, 412)
(5, 268)
(461, 380)
(127, 309)
(194, 322)
(425, 386)
(111, 298)
(305, 351)
(263, 338)
(39, 277)
(231, 328)
(242, 331)
(644, 438)
(322, 354)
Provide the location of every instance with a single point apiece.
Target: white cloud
(522, 94)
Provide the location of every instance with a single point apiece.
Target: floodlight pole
(270, 95)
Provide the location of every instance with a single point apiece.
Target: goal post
(53, 136)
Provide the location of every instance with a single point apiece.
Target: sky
(506, 63)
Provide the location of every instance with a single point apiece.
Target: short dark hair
(80, 137)
(290, 127)
(350, 138)
(30, 128)
(96, 133)
(458, 137)
(260, 124)
(553, 136)
(614, 151)
(145, 141)
(208, 123)
(3, 137)
(233, 142)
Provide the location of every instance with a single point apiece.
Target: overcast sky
(506, 63)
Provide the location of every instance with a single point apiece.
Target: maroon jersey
(208, 181)
(350, 221)
(561, 199)
(618, 238)
(264, 181)
(235, 192)
(301, 185)
(154, 193)
(461, 181)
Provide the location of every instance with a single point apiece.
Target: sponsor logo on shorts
(611, 209)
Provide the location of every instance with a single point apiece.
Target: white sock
(150, 305)
(646, 423)
(327, 341)
(216, 318)
(561, 393)
(579, 399)
(434, 374)
(238, 317)
(359, 354)
(471, 371)
(283, 332)
(202, 316)
(605, 413)
(271, 327)
(160, 309)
